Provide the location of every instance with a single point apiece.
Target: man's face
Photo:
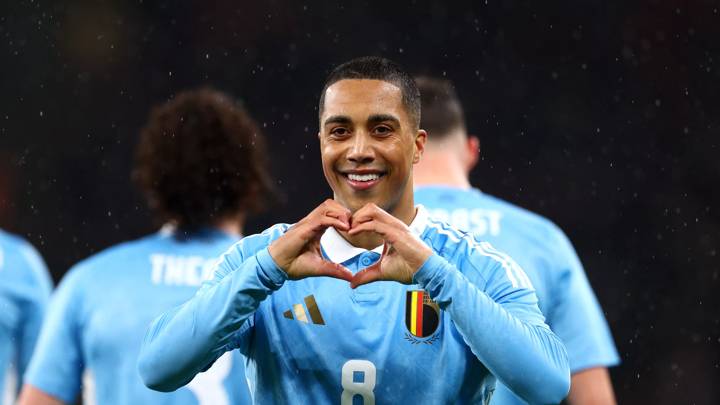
(368, 144)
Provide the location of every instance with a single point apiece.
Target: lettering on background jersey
(180, 270)
(477, 221)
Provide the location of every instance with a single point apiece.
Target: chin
(355, 204)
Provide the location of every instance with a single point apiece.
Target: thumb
(366, 276)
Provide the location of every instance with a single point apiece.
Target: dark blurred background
(603, 117)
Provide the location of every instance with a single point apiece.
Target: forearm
(591, 387)
(529, 359)
(33, 396)
(187, 339)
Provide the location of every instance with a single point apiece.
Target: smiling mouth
(363, 181)
(363, 177)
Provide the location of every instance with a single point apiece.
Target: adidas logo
(298, 312)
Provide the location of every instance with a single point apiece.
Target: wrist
(273, 275)
(277, 260)
(432, 266)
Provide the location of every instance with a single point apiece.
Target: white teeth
(363, 177)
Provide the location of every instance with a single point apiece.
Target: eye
(339, 132)
(382, 130)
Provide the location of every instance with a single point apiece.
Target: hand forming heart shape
(298, 253)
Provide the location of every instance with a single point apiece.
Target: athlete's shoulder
(250, 245)
(8, 239)
(11, 243)
(513, 211)
(24, 258)
(528, 220)
(478, 260)
(246, 248)
(453, 244)
(108, 259)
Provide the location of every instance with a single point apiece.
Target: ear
(472, 152)
(419, 149)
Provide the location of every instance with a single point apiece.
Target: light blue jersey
(25, 287)
(469, 317)
(548, 258)
(101, 310)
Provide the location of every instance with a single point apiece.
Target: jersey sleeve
(57, 362)
(34, 306)
(498, 317)
(576, 316)
(189, 338)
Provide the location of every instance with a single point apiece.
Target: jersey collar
(338, 250)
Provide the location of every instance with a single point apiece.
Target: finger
(321, 224)
(371, 212)
(343, 216)
(329, 269)
(366, 276)
(336, 206)
(335, 222)
(372, 226)
(364, 214)
(333, 209)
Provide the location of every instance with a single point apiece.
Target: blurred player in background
(539, 246)
(201, 163)
(366, 298)
(25, 287)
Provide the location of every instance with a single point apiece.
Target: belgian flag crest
(422, 316)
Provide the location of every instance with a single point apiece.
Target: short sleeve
(576, 316)
(57, 364)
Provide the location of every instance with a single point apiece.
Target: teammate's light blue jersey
(101, 310)
(25, 287)
(548, 258)
(470, 315)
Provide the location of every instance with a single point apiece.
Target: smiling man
(366, 298)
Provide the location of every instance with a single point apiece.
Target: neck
(232, 225)
(440, 167)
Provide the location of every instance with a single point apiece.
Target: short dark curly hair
(201, 158)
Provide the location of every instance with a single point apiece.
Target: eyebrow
(338, 119)
(375, 118)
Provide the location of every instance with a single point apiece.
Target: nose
(361, 150)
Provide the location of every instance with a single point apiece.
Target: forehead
(358, 96)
